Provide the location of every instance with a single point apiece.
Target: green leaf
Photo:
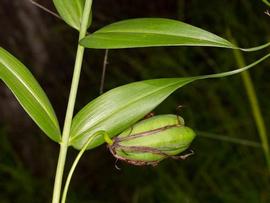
(71, 11)
(123, 106)
(266, 2)
(150, 32)
(29, 94)
(153, 32)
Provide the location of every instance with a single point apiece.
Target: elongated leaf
(149, 32)
(153, 32)
(123, 106)
(29, 93)
(71, 11)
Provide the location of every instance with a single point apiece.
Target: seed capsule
(150, 141)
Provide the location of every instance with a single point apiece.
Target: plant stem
(254, 106)
(71, 103)
(76, 161)
(105, 63)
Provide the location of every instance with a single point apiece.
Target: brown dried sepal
(142, 150)
(117, 146)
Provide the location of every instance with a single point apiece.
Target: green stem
(254, 106)
(70, 108)
(76, 161)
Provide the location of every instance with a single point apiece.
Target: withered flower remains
(151, 140)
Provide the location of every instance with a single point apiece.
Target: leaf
(123, 106)
(150, 32)
(266, 2)
(29, 94)
(153, 32)
(71, 11)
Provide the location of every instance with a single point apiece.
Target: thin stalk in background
(71, 104)
(251, 93)
(45, 9)
(226, 138)
(105, 63)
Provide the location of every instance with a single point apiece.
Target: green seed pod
(152, 140)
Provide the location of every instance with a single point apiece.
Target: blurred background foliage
(221, 171)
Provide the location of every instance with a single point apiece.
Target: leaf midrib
(43, 106)
(165, 34)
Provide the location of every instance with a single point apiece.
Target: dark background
(221, 171)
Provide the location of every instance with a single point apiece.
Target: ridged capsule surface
(152, 140)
